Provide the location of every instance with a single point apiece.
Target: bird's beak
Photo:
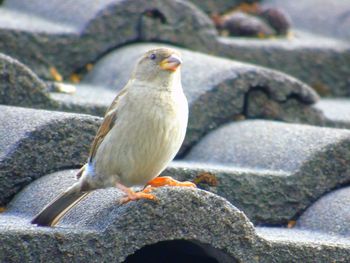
(171, 63)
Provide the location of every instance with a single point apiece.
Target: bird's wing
(108, 123)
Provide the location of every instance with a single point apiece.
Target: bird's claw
(137, 196)
(168, 181)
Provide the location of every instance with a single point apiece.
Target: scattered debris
(206, 178)
(75, 78)
(321, 89)
(55, 74)
(89, 67)
(291, 223)
(239, 117)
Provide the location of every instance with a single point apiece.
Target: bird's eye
(152, 56)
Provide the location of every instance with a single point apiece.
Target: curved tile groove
(20, 86)
(289, 166)
(218, 95)
(35, 142)
(212, 221)
(69, 51)
(195, 218)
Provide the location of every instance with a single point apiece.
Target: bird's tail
(55, 210)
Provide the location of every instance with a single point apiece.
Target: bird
(141, 132)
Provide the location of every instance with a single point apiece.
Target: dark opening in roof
(176, 251)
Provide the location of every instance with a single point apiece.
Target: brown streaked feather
(107, 124)
(57, 208)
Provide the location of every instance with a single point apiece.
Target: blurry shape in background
(55, 74)
(277, 19)
(321, 17)
(241, 24)
(253, 20)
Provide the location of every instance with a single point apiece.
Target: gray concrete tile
(330, 214)
(26, 138)
(329, 18)
(336, 111)
(297, 163)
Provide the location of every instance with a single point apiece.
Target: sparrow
(141, 133)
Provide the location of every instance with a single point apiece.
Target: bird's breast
(146, 137)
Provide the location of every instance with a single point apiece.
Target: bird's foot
(133, 196)
(136, 196)
(167, 181)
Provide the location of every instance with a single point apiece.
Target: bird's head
(159, 65)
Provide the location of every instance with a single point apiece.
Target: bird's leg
(165, 181)
(132, 196)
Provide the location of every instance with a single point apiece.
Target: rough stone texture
(292, 245)
(90, 99)
(259, 105)
(99, 229)
(218, 95)
(68, 41)
(20, 86)
(273, 172)
(265, 145)
(296, 164)
(219, 6)
(260, 194)
(316, 60)
(64, 34)
(115, 231)
(336, 112)
(330, 214)
(300, 235)
(231, 89)
(35, 142)
(324, 17)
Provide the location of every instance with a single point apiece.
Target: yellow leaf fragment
(291, 223)
(239, 117)
(89, 66)
(75, 78)
(261, 35)
(55, 74)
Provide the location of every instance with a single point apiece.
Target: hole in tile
(156, 14)
(179, 251)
